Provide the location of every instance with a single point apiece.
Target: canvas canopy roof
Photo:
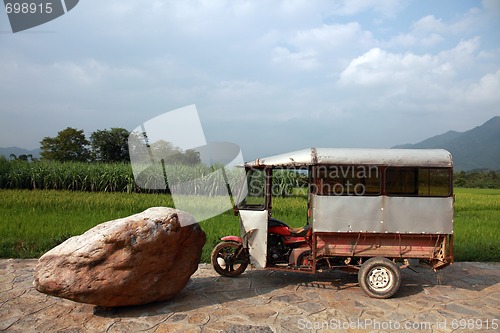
(358, 156)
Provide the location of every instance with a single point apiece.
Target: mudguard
(232, 239)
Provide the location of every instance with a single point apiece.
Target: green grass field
(477, 224)
(32, 222)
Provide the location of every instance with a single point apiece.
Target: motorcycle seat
(300, 232)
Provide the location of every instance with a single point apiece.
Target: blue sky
(271, 76)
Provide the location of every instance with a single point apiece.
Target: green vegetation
(110, 145)
(74, 176)
(477, 218)
(101, 177)
(105, 146)
(118, 176)
(32, 222)
(70, 144)
(477, 179)
(80, 183)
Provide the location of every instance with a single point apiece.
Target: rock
(139, 259)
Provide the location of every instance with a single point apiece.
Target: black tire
(225, 261)
(379, 277)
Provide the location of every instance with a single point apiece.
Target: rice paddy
(33, 221)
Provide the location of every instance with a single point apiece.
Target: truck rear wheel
(379, 277)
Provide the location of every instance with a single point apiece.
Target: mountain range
(478, 148)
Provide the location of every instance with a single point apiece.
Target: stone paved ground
(464, 295)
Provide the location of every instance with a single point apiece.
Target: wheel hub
(380, 278)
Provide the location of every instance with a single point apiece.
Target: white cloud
(332, 36)
(427, 32)
(464, 54)
(432, 31)
(297, 63)
(429, 24)
(321, 47)
(485, 92)
(386, 8)
(302, 60)
(378, 67)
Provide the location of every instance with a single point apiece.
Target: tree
(70, 144)
(110, 145)
(191, 157)
(174, 155)
(26, 158)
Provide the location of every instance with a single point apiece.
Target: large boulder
(139, 259)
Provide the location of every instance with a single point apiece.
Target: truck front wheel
(379, 277)
(229, 259)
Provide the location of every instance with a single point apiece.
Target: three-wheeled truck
(369, 211)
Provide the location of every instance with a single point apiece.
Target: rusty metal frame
(395, 246)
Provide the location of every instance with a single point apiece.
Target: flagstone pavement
(462, 297)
